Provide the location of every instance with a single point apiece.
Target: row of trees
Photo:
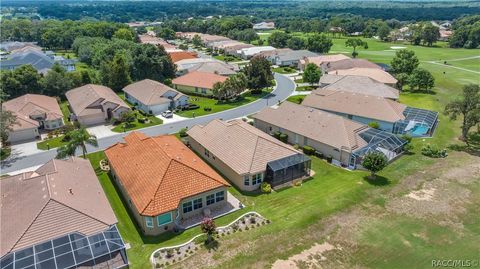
(466, 33)
(315, 42)
(405, 68)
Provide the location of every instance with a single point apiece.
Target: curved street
(283, 89)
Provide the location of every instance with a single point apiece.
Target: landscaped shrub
(319, 154)
(277, 135)
(142, 120)
(296, 146)
(156, 254)
(329, 158)
(374, 125)
(183, 132)
(207, 109)
(433, 151)
(157, 265)
(283, 138)
(265, 187)
(169, 253)
(308, 150)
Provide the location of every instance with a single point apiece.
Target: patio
(232, 205)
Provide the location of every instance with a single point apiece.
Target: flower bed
(166, 256)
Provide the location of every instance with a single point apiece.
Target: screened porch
(287, 169)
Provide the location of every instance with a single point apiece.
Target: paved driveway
(101, 131)
(284, 87)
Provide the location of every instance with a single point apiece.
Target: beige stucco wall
(340, 155)
(224, 169)
(189, 89)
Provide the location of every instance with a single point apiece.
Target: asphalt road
(282, 91)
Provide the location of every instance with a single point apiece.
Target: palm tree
(78, 138)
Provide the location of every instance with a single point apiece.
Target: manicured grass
(306, 88)
(52, 143)
(5, 152)
(297, 99)
(228, 58)
(216, 106)
(300, 80)
(284, 70)
(152, 121)
(65, 111)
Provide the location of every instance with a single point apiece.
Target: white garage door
(23, 135)
(92, 119)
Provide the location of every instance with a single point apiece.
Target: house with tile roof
(321, 59)
(246, 155)
(164, 183)
(34, 112)
(292, 58)
(344, 140)
(264, 25)
(154, 97)
(182, 55)
(391, 116)
(58, 216)
(363, 85)
(374, 73)
(197, 82)
(93, 104)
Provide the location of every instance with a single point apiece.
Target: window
(197, 203)
(210, 199)
(149, 222)
(187, 207)
(219, 196)
(207, 153)
(196, 89)
(257, 179)
(164, 219)
(246, 180)
(204, 91)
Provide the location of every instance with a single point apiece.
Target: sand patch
(309, 257)
(397, 47)
(422, 195)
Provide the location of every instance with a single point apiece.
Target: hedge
(308, 150)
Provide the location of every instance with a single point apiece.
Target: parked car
(167, 114)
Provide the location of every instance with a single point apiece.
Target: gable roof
(363, 105)
(365, 85)
(81, 98)
(35, 58)
(181, 55)
(373, 73)
(150, 92)
(242, 147)
(295, 55)
(32, 104)
(60, 197)
(158, 172)
(218, 68)
(348, 64)
(321, 126)
(320, 59)
(199, 79)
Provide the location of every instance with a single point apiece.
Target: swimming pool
(419, 130)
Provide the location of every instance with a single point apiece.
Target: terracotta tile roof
(242, 147)
(199, 79)
(373, 73)
(363, 105)
(150, 92)
(60, 197)
(321, 126)
(365, 85)
(182, 55)
(82, 98)
(158, 172)
(32, 104)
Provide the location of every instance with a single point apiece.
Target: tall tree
(151, 62)
(197, 41)
(7, 120)
(166, 33)
(78, 139)
(312, 73)
(258, 73)
(355, 43)
(319, 43)
(421, 79)
(125, 34)
(278, 39)
(430, 34)
(383, 32)
(117, 73)
(24, 79)
(56, 82)
(374, 162)
(468, 106)
(296, 43)
(403, 64)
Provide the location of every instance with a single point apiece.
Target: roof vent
(70, 190)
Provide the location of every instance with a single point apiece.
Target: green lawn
(297, 99)
(51, 143)
(152, 121)
(227, 58)
(306, 88)
(284, 70)
(5, 152)
(65, 111)
(299, 80)
(216, 106)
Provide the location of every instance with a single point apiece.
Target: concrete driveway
(27, 148)
(175, 118)
(284, 87)
(101, 131)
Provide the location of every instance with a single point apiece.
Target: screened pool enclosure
(287, 169)
(387, 143)
(418, 122)
(102, 250)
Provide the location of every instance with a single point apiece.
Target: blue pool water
(419, 130)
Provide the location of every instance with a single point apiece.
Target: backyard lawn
(284, 70)
(305, 88)
(5, 152)
(216, 106)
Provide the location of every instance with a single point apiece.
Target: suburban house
(58, 216)
(445, 34)
(264, 26)
(233, 50)
(247, 53)
(271, 54)
(95, 104)
(321, 59)
(34, 112)
(38, 59)
(165, 184)
(182, 55)
(292, 58)
(14, 46)
(344, 140)
(197, 82)
(148, 39)
(363, 85)
(247, 156)
(185, 64)
(219, 68)
(373, 73)
(329, 67)
(391, 116)
(153, 97)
